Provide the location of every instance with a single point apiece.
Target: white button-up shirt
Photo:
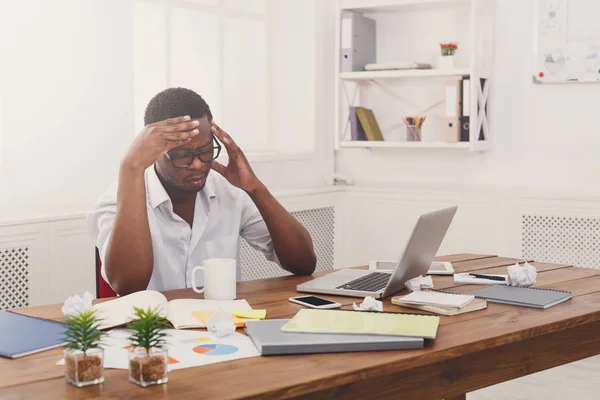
(223, 213)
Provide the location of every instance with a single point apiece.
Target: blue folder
(21, 335)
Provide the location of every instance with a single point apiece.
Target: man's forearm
(292, 242)
(129, 257)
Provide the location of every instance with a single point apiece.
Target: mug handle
(194, 288)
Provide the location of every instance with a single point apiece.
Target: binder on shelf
(369, 124)
(483, 82)
(465, 118)
(452, 91)
(357, 132)
(358, 41)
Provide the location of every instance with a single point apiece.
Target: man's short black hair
(176, 102)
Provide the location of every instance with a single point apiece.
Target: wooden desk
(472, 350)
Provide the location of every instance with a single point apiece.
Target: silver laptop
(421, 248)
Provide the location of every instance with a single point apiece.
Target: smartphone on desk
(314, 302)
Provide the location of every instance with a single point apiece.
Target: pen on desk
(493, 278)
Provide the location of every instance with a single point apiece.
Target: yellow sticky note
(203, 316)
(249, 314)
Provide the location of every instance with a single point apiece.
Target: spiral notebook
(523, 296)
(22, 335)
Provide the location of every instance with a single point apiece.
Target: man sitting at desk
(155, 224)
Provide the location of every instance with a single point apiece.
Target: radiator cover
(14, 277)
(319, 222)
(562, 240)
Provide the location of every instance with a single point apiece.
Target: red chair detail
(103, 289)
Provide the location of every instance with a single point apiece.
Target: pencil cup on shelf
(413, 128)
(84, 358)
(413, 133)
(148, 358)
(446, 59)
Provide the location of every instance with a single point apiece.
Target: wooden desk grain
(471, 351)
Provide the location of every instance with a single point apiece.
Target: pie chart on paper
(215, 349)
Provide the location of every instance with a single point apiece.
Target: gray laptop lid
(270, 340)
(421, 248)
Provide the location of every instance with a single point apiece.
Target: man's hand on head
(157, 139)
(238, 171)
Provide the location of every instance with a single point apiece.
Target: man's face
(192, 178)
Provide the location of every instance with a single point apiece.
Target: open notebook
(182, 313)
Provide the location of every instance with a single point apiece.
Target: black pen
(494, 278)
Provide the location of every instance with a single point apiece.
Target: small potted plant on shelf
(446, 60)
(84, 358)
(148, 359)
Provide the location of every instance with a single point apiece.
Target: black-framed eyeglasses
(184, 159)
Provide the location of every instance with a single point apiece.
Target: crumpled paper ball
(420, 282)
(523, 276)
(76, 304)
(369, 304)
(220, 323)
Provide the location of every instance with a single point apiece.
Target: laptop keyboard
(372, 282)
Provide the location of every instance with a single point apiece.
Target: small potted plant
(148, 360)
(446, 60)
(84, 358)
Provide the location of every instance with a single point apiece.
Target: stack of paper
(444, 303)
(397, 66)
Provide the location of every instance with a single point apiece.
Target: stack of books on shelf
(363, 125)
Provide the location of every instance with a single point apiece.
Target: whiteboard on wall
(567, 41)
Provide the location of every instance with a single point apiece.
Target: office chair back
(103, 289)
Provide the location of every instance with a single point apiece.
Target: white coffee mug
(219, 279)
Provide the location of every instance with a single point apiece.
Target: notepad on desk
(443, 303)
(435, 298)
(363, 323)
(480, 279)
(182, 313)
(21, 335)
(523, 296)
(270, 340)
(475, 305)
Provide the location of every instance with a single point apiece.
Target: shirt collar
(158, 195)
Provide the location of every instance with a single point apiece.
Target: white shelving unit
(399, 33)
(412, 145)
(401, 74)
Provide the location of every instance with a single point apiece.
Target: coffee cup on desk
(219, 279)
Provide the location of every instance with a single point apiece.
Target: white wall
(544, 137)
(66, 86)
